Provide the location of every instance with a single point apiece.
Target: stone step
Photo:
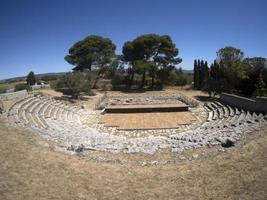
(231, 111)
(237, 111)
(43, 108)
(220, 112)
(214, 105)
(226, 111)
(210, 116)
(215, 115)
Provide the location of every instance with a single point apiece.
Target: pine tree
(31, 80)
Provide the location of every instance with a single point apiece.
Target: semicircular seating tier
(62, 122)
(223, 122)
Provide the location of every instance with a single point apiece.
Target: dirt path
(29, 171)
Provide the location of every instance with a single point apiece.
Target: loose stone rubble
(107, 100)
(65, 123)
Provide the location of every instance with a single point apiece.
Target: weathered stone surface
(65, 124)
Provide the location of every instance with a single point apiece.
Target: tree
(196, 74)
(209, 86)
(229, 54)
(180, 70)
(233, 69)
(144, 67)
(118, 80)
(92, 52)
(231, 73)
(129, 57)
(152, 72)
(215, 71)
(31, 80)
(177, 77)
(257, 66)
(206, 70)
(74, 83)
(150, 53)
(111, 69)
(260, 86)
(214, 81)
(201, 73)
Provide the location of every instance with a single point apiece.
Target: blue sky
(36, 35)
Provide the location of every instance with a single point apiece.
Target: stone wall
(37, 87)
(257, 105)
(13, 95)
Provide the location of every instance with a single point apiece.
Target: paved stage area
(153, 120)
(146, 108)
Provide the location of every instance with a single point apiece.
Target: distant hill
(188, 71)
(22, 78)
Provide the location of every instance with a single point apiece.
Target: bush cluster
(20, 86)
(74, 84)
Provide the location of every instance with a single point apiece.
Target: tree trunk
(131, 80)
(152, 83)
(97, 77)
(143, 79)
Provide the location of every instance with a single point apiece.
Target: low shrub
(118, 81)
(74, 84)
(53, 84)
(181, 80)
(261, 92)
(20, 86)
(158, 85)
(49, 78)
(2, 89)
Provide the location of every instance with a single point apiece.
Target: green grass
(7, 86)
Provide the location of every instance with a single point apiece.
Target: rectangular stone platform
(146, 108)
(143, 121)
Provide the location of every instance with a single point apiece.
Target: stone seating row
(61, 121)
(224, 115)
(34, 111)
(223, 121)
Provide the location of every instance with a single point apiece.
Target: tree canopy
(150, 53)
(92, 51)
(229, 55)
(231, 72)
(151, 60)
(232, 67)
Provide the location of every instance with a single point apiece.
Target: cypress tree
(31, 80)
(198, 74)
(201, 74)
(195, 73)
(207, 73)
